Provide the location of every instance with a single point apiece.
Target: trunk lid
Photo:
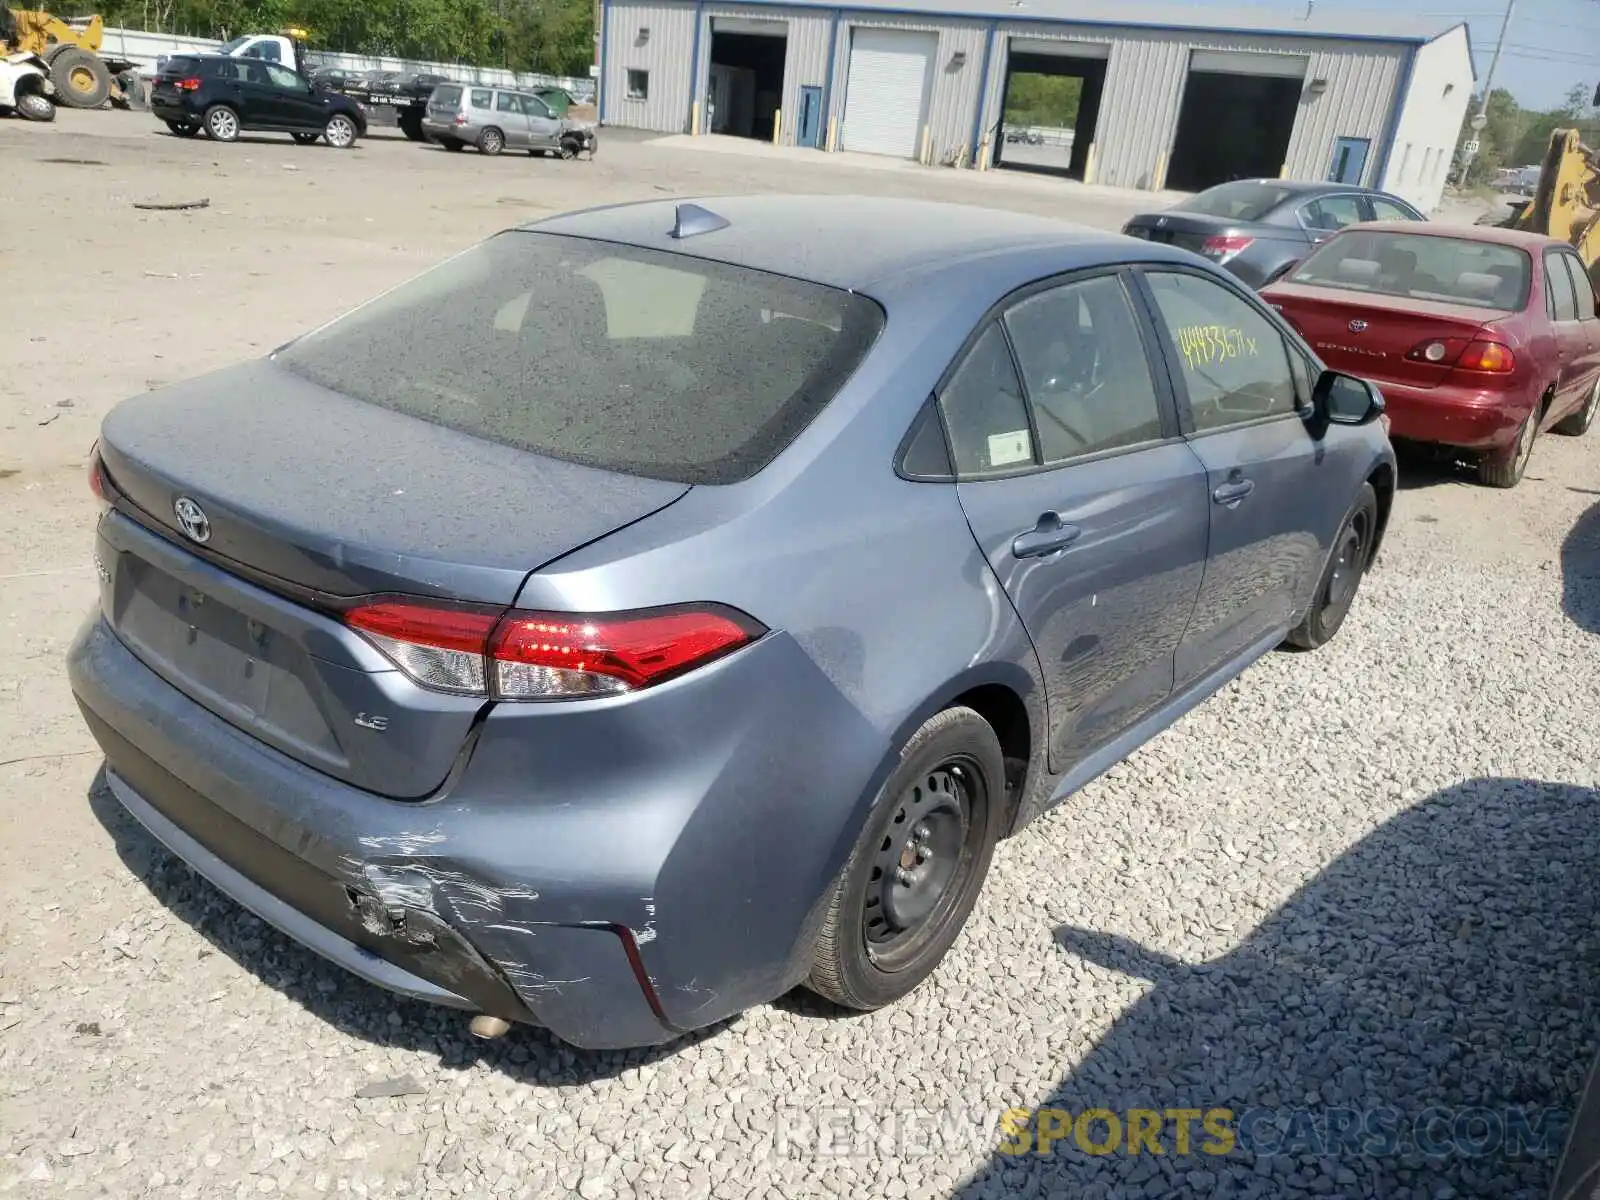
(1370, 335)
(1189, 231)
(375, 502)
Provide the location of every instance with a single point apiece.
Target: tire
(1341, 578)
(306, 139)
(340, 132)
(569, 150)
(31, 106)
(452, 144)
(1505, 468)
(917, 868)
(411, 126)
(491, 141)
(221, 123)
(81, 79)
(181, 129)
(1577, 424)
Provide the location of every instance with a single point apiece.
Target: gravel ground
(1359, 879)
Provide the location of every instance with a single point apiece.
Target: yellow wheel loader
(83, 77)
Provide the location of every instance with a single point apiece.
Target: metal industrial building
(1170, 97)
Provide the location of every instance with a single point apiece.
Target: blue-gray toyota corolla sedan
(658, 607)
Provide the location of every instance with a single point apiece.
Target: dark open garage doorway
(1049, 106)
(745, 89)
(1237, 116)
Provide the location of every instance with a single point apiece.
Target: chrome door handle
(1233, 491)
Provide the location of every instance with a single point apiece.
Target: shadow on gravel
(1445, 963)
(1580, 571)
(332, 994)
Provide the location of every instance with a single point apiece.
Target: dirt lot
(1380, 857)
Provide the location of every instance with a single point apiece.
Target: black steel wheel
(1341, 578)
(917, 867)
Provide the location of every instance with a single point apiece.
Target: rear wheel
(182, 128)
(340, 131)
(81, 79)
(451, 144)
(222, 123)
(1341, 578)
(916, 870)
(411, 126)
(491, 141)
(1578, 423)
(1505, 468)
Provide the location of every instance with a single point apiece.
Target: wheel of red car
(1341, 578)
(916, 870)
(1505, 468)
(1578, 423)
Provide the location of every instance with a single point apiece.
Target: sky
(1550, 46)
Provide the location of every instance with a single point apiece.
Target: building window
(638, 85)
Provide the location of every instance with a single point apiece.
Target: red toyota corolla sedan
(1479, 338)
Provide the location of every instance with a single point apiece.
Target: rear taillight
(1491, 358)
(97, 482)
(1440, 352)
(192, 84)
(522, 655)
(1226, 245)
(460, 119)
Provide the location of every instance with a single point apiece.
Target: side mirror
(1346, 400)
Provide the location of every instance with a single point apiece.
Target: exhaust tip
(488, 1028)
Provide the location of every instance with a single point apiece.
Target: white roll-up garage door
(886, 95)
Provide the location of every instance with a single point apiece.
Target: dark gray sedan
(1258, 228)
(655, 608)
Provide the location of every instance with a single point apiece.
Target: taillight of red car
(518, 654)
(1480, 355)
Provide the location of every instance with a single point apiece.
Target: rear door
(1239, 401)
(1586, 352)
(1088, 505)
(1572, 335)
(513, 122)
(262, 104)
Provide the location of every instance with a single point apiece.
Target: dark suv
(228, 96)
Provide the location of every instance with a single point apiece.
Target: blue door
(1349, 160)
(809, 131)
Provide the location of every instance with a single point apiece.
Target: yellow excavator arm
(35, 32)
(1566, 202)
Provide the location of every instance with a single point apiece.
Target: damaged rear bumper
(617, 891)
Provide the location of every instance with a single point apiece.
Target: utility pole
(1482, 116)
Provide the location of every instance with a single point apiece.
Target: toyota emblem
(1358, 325)
(196, 525)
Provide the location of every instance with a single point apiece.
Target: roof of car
(862, 243)
(1472, 233)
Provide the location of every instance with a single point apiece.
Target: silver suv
(494, 119)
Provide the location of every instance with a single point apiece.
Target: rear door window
(1329, 213)
(633, 360)
(984, 411)
(1563, 299)
(1582, 288)
(507, 102)
(481, 98)
(1388, 210)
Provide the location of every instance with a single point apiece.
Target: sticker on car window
(1008, 448)
(1206, 344)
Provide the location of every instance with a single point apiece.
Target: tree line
(1517, 137)
(555, 37)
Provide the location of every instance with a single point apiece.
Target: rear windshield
(180, 64)
(1240, 201)
(445, 96)
(613, 356)
(1419, 267)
